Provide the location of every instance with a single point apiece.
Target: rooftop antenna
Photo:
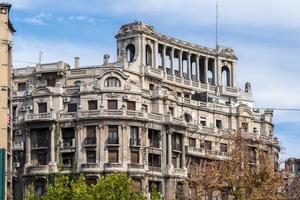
(217, 22)
(40, 57)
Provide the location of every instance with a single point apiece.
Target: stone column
(97, 144)
(28, 148)
(189, 66)
(79, 151)
(219, 70)
(169, 134)
(183, 163)
(155, 54)
(215, 74)
(164, 58)
(52, 163)
(197, 69)
(233, 75)
(172, 61)
(124, 145)
(180, 63)
(206, 70)
(102, 137)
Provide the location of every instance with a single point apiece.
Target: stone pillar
(97, 144)
(124, 145)
(180, 63)
(219, 70)
(79, 151)
(28, 148)
(169, 134)
(215, 75)
(172, 61)
(189, 66)
(169, 189)
(155, 54)
(233, 75)
(206, 70)
(102, 136)
(52, 163)
(197, 69)
(164, 58)
(183, 163)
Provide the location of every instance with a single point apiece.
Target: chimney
(77, 62)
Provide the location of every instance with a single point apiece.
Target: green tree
(155, 194)
(31, 194)
(59, 190)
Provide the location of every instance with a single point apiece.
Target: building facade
(165, 105)
(6, 32)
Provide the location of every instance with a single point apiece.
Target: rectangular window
(130, 105)
(154, 138)
(51, 82)
(91, 156)
(134, 157)
(92, 105)
(91, 131)
(72, 107)
(192, 142)
(22, 86)
(223, 147)
(113, 156)
(171, 110)
(151, 86)
(207, 145)
(112, 104)
(203, 121)
(67, 159)
(134, 135)
(245, 126)
(42, 158)
(42, 107)
(145, 108)
(113, 137)
(174, 161)
(219, 124)
(154, 160)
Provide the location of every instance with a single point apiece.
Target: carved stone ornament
(127, 86)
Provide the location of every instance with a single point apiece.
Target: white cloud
(28, 48)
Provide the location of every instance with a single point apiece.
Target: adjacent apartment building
(6, 33)
(162, 108)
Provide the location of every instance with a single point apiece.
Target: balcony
(90, 142)
(18, 146)
(229, 90)
(112, 112)
(153, 72)
(113, 167)
(68, 116)
(68, 143)
(42, 144)
(154, 169)
(89, 114)
(66, 168)
(135, 167)
(113, 141)
(90, 167)
(134, 113)
(38, 169)
(135, 142)
(201, 152)
(19, 93)
(49, 116)
(169, 119)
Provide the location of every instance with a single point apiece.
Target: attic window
(112, 82)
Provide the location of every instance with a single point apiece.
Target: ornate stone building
(164, 105)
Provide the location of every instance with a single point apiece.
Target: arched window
(225, 76)
(130, 52)
(91, 180)
(39, 187)
(148, 55)
(112, 82)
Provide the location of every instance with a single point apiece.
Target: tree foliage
(240, 175)
(111, 187)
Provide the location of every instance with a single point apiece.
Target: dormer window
(112, 82)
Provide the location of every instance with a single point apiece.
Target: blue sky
(265, 35)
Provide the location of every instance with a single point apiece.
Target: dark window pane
(21, 86)
(51, 82)
(134, 157)
(91, 131)
(72, 107)
(112, 104)
(91, 156)
(113, 156)
(130, 105)
(92, 105)
(42, 107)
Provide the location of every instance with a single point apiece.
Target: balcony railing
(154, 72)
(40, 116)
(135, 166)
(89, 113)
(68, 116)
(38, 169)
(90, 141)
(112, 141)
(66, 168)
(90, 167)
(154, 169)
(135, 142)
